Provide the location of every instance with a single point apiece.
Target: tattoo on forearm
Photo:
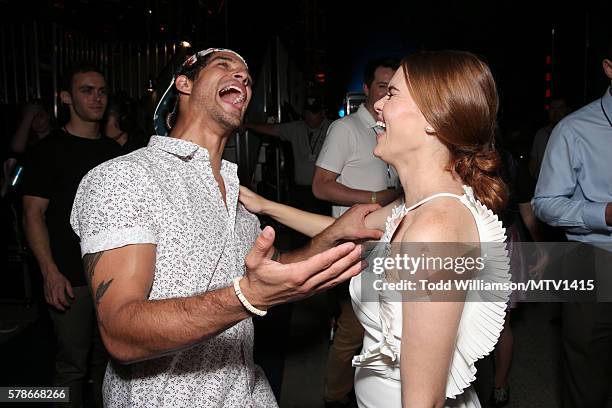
(101, 290)
(89, 264)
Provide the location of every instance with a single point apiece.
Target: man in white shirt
(347, 173)
(163, 238)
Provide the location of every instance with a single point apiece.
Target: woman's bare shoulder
(442, 220)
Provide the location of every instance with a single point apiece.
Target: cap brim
(162, 109)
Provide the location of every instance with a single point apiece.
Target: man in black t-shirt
(52, 175)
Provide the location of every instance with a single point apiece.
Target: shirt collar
(366, 117)
(178, 147)
(187, 150)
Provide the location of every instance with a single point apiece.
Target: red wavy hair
(456, 93)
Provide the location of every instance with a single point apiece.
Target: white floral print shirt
(165, 194)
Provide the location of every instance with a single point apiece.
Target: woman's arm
(378, 219)
(428, 337)
(429, 327)
(307, 223)
(351, 226)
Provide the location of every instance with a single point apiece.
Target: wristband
(373, 197)
(247, 305)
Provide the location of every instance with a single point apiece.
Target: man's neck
(86, 130)
(212, 138)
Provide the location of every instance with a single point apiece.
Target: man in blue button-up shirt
(574, 192)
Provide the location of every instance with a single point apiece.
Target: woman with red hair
(439, 119)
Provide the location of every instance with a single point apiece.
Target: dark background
(330, 42)
(336, 38)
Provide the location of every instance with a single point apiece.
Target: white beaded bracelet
(247, 305)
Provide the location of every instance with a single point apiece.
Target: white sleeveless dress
(377, 375)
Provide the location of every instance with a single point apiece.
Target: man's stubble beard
(224, 119)
(221, 117)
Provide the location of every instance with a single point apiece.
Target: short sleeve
(114, 207)
(336, 149)
(39, 173)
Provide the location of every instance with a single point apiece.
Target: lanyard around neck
(604, 111)
(309, 133)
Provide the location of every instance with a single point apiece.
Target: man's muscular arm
(134, 328)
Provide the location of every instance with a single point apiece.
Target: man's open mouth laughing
(234, 95)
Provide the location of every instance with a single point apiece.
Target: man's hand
(542, 259)
(57, 289)
(350, 226)
(268, 283)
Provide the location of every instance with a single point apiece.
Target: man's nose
(242, 76)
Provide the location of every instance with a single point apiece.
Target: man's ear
(607, 66)
(366, 89)
(66, 98)
(183, 84)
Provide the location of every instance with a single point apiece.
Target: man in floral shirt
(163, 237)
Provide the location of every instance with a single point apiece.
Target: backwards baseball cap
(164, 111)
